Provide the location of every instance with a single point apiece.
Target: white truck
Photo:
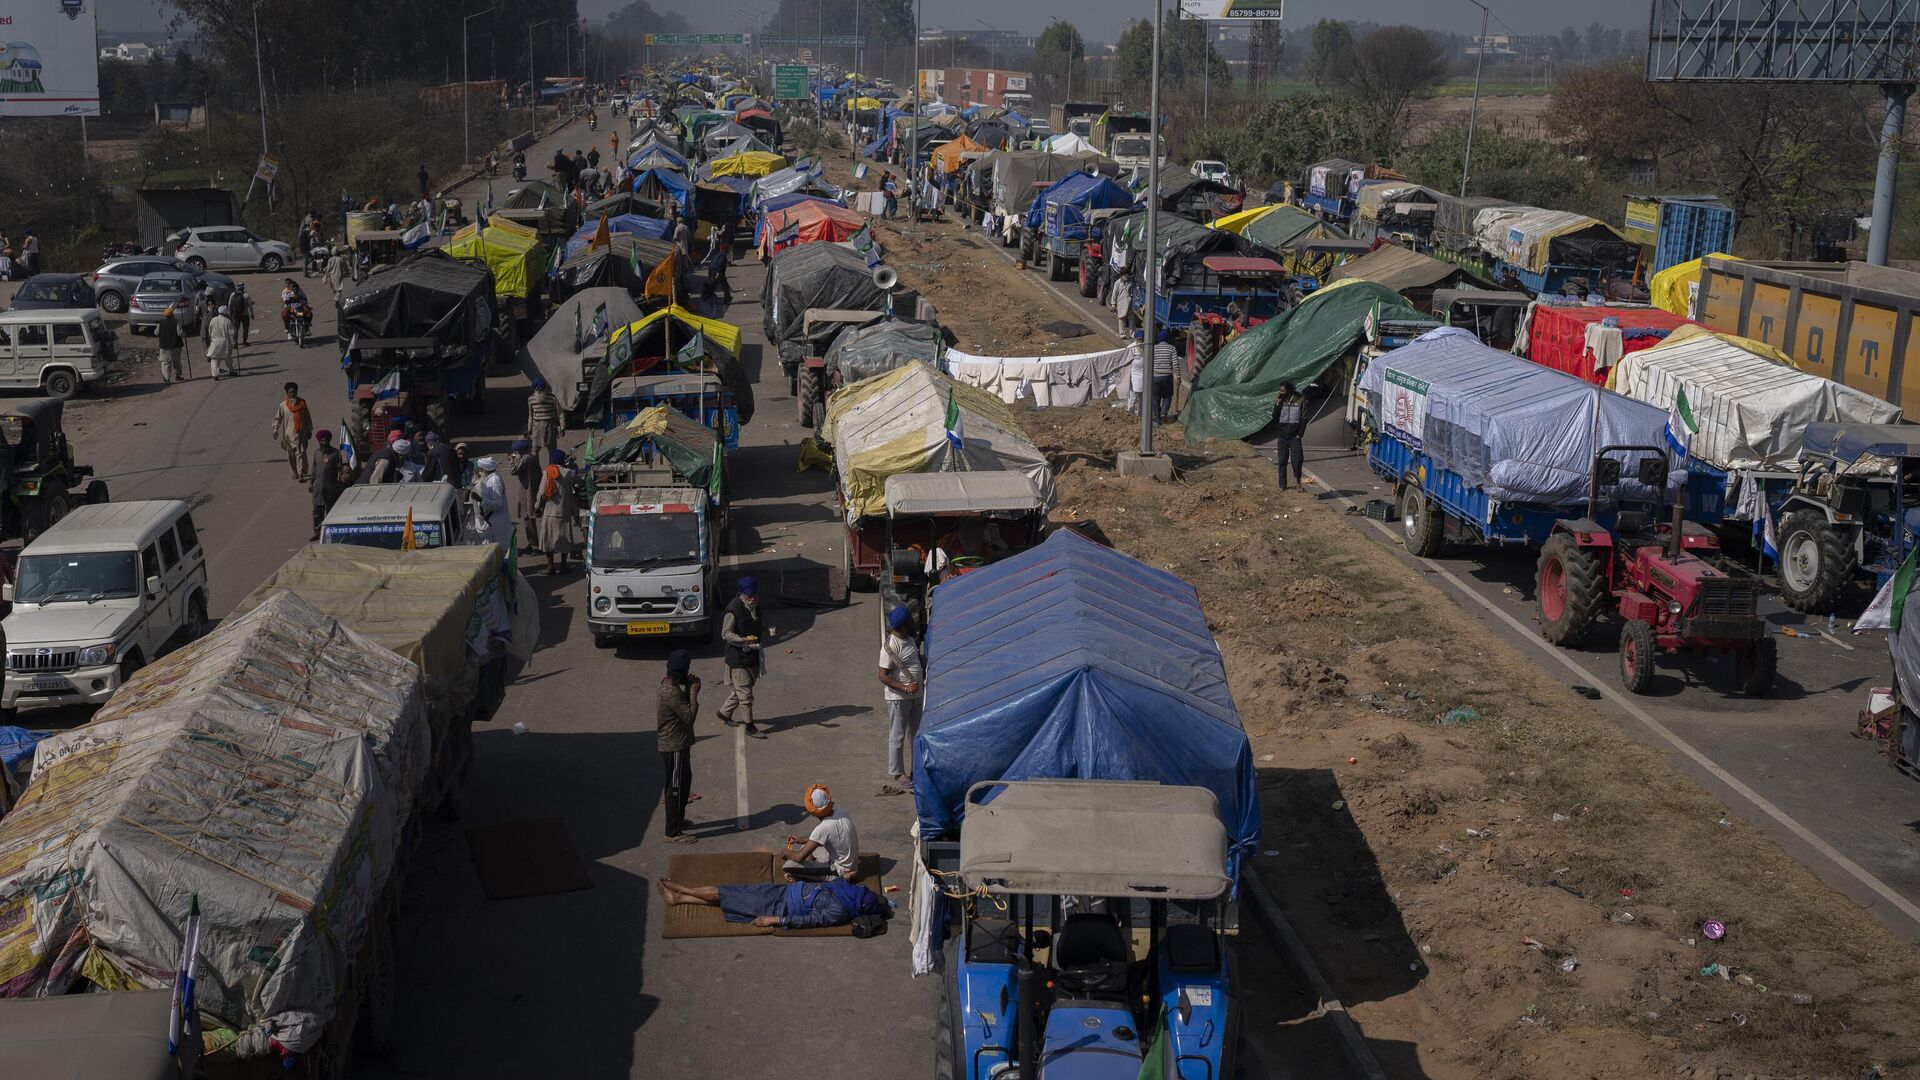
(653, 561)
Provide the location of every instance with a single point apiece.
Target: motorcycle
(519, 170)
(593, 121)
(299, 320)
(121, 248)
(317, 257)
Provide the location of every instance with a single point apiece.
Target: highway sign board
(790, 82)
(699, 39)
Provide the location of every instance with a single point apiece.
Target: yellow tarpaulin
(867, 103)
(747, 163)
(1233, 223)
(947, 158)
(511, 250)
(720, 333)
(1672, 288)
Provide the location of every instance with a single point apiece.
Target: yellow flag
(660, 282)
(601, 236)
(406, 534)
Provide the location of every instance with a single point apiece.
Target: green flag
(1154, 1065)
(715, 485)
(694, 351)
(1884, 612)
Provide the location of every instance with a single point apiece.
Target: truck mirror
(153, 585)
(1653, 472)
(6, 592)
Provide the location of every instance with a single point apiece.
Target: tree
(639, 17)
(1059, 59)
(1522, 170)
(1133, 54)
(1332, 51)
(1603, 42)
(1569, 43)
(1385, 71)
(1186, 52)
(1264, 50)
(1281, 138)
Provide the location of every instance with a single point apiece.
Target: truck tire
(1420, 523)
(1637, 656)
(1755, 667)
(1029, 248)
(1058, 269)
(808, 395)
(1567, 590)
(1816, 563)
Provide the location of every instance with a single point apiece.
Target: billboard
(49, 65)
(1230, 9)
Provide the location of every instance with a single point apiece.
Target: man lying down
(796, 905)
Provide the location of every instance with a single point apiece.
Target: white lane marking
(740, 811)
(1760, 802)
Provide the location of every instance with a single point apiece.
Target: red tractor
(1658, 576)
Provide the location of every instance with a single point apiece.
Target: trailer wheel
(1815, 562)
(808, 395)
(1567, 591)
(1637, 655)
(1420, 523)
(1755, 667)
(1058, 268)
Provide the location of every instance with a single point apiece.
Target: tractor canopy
(1102, 838)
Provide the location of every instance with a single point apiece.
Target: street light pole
(260, 73)
(1149, 336)
(466, 86)
(1473, 112)
(913, 144)
(533, 92)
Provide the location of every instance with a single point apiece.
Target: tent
(663, 186)
(746, 163)
(632, 224)
(793, 179)
(1086, 191)
(896, 423)
(690, 447)
(1195, 198)
(990, 134)
(813, 276)
(1405, 271)
(656, 155)
(651, 345)
(557, 353)
(427, 295)
(808, 222)
(728, 137)
(512, 253)
(622, 202)
(625, 264)
(1069, 144)
(866, 104)
(1286, 227)
(864, 351)
(1073, 661)
(947, 159)
(1233, 395)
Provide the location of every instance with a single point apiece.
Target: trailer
(861, 350)
(1672, 229)
(805, 278)
(1562, 336)
(416, 338)
(1061, 218)
(1553, 251)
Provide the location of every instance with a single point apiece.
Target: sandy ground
(1497, 879)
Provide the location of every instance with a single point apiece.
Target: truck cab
(652, 559)
(376, 515)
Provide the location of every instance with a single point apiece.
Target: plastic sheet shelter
(895, 423)
(1287, 227)
(1016, 172)
(1233, 396)
(622, 202)
(1752, 410)
(1070, 144)
(665, 185)
(651, 345)
(1453, 221)
(657, 155)
(746, 163)
(1674, 288)
(730, 138)
(512, 252)
(1085, 191)
(865, 351)
(1407, 272)
(560, 352)
(1073, 661)
(1557, 336)
(808, 223)
(624, 264)
(1195, 198)
(268, 780)
(788, 180)
(692, 449)
(948, 158)
(1518, 431)
(630, 224)
(813, 276)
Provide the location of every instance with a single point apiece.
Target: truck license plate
(50, 682)
(637, 629)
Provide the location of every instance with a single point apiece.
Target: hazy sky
(1099, 20)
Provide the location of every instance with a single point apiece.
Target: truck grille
(43, 660)
(664, 605)
(1727, 610)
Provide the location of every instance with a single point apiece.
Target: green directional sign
(790, 82)
(699, 39)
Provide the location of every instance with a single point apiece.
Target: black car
(53, 291)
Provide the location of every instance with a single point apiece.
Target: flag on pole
(598, 327)
(694, 352)
(634, 257)
(346, 358)
(602, 237)
(1769, 539)
(1681, 424)
(388, 387)
(180, 1012)
(407, 539)
(660, 282)
(589, 448)
(715, 484)
(955, 437)
(1884, 612)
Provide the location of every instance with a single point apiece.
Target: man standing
(1289, 424)
(523, 470)
(900, 673)
(1136, 371)
(543, 419)
(556, 507)
(716, 263)
(29, 254)
(426, 196)
(339, 268)
(492, 523)
(219, 333)
(442, 466)
(242, 307)
(170, 342)
(741, 629)
(331, 475)
(293, 429)
(1163, 360)
(679, 702)
(890, 195)
(682, 237)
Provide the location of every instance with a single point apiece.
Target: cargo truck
(1075, 117)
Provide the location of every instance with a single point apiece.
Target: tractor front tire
(1756, 667)
(1567, 590)
(1637, 656)
(807, 395)
(1816, 562)
(1420, 523)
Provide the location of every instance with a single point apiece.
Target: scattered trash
(1339, 804)
(1378, 509)
(1465, 714)
(1476, 833)
(1736, 1019)
(1270, 852)
(1689, 941)
(1559, 819)
(893, 888)
(1353, 761)
(1531, 943)
(1266, 757)
(519, 728)
(1803, 998)
(1587, 692)
(1712, 970)
(1624, 917)
(1788, 631)
(1626, 892)
(1713, 930)
(1725, 824)
(1745, 980)
(1569, 964)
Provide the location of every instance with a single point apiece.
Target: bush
(1279, 139)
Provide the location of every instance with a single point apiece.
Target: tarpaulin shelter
(1237, 222)
(692, 448)
(631, 224)
(512, 253)
(790, 180)
(1587, 341)
(663, 186)
(426, 295)
(1454, 218)
(866, 104)
(575, 336)
(622, 202)
(1073, 661)
(1195, 198)
(807, 223)
(1286, 227)
(533, 195)
(730, 138)
(1069, 144)
(746, 163)
(1518, 431)
(948, 158)
(266, 771)
(865, 351)
(813, 276)
(1532, 240)
(1085, 191)
(1751, 409)
(896, 423)
(1016, 172)
(1233, 395)
(625, 263)
(990, 134)
(1405, 271)
(697, 123)
(656, 155)
(653, 343)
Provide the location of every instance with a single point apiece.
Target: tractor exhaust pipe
(1679, 519)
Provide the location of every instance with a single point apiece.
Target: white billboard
(1230, 9)
(49, 65)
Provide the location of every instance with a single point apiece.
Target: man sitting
(798, 905)
(831, 849)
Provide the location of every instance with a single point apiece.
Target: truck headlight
(603, 604)
(690, 602)
(96, 654)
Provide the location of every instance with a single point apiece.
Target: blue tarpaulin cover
(16, 760)
(671, 183)
(1073, 661)
(636, 224)
(1088, 191)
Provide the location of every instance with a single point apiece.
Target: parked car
(57, 351)
(43, 291)
(157, 292)
(115, 280)
(1207, 169)
(230, 246)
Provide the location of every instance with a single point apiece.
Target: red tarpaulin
(807, 222)
(1557, 336)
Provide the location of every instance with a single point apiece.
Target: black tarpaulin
(424, 295)
(814, 276)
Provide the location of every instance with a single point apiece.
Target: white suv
(230, 247)
(98, 596)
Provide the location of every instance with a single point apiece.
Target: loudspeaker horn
(886, 277)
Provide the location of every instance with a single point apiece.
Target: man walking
(171, 343)
(29, 254)
(523, 470)
(293, 429)
(219, 333)
(331, 475)
(741, 629)
(1163, 360)
(679, 702)
(555, 505)
(716, 264)
(242, 307)
(1289, 424)
(543, 419)
(900, 673)
(339, 268)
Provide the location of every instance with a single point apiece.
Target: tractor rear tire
(1567, 590)
(1089, 279)
(1420, 523)
(1815, 563)
(807, 395)
(1637, 655)
(1756, 667)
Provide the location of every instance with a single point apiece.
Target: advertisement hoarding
(49, 65)
(1230, 9)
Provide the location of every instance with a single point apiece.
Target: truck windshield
(93, 575)
(1135, 146)
(386, 535)
(633, 541)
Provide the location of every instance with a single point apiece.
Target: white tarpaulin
(1046, 380)
(1751, 411)
(1521, 432)
(1519, 234)
(49, 59)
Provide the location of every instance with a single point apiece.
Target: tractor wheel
(1058, 268)
(437, 415)
(1816, 563)
(1421, 523)
(946, 1048)
(1636, 656)
(1756, 667)
(96, 492)
(807, 395)
(45, 510)
(1089, 279)
(1567, 591)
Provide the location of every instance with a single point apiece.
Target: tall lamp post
(1149, 335)
(260, 73)
(533, 92)
(466, 86)
(913, 144)
(1473, 112)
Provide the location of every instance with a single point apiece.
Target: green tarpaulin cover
(1233, 397)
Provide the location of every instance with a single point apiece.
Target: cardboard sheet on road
(741, 868)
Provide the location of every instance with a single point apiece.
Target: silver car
(230, 246)
(156, 293)
(116, 279)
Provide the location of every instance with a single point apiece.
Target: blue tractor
(1086, 923)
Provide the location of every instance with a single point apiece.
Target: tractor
(1661, 579)
(1091, 920)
